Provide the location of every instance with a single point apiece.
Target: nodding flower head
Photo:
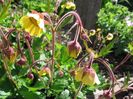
(87, 76)
(10, 54)
(33, 23)
(22, 61)
(45, 70)
(74, 48)
(84, 36)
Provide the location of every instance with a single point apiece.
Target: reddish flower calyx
(30, 76)
(84, 36)
(74, 48)
(22, 61)
(61, 73)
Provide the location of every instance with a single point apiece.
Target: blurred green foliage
(116, 19)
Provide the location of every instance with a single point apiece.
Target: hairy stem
(79, 89)
(31, 52)
(9, 73)
(123, 61)
(53, 52)
(106, 64)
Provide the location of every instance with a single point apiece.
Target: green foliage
(113, 18)
(4, 10)
(46, 69)
(106, 49)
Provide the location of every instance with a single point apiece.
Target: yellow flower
(98, 30)
(109, 36)
(69, 5)
(33, 24)
(74, 48)
(45, 70)
(87, 76)
(92, 32)
(78, 74)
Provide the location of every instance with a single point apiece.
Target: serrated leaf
(30, 95)
(106, 49)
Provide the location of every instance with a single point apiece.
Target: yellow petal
(79, 74)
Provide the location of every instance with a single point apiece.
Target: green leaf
(81, 95)
(4, 12)
(40, 84)
(31, 95)
(59, 85)
(106, 49)
(64, 94)
(4, 95)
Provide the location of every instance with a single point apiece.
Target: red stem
(123, 61)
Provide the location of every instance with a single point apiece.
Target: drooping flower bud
(87, 76)
(74, 48)
(45, 70)
(78, 74)
(22, 61)
(10, 54)
(61, 73)
(90, 76)
(30, 76)
(28, 37)
(9, 51)
(84, 36)
(109, 36)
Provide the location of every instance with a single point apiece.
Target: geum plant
(33, 70)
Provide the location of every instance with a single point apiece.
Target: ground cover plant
(45, 51)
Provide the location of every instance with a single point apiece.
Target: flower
(87, 76)
(74, 48)
(33, 23)
(84, 36)
(10, 54)
(78, 74)
(109, 36)
(45, 70)
(98, 29)
(92, 32)
(69, 5)
(22, 61)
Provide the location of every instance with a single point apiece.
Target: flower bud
(87, 76)
(61, 73)
(74, 48)
(69, 5)
(84, 36)
(30, 76)
(28, 37)
(109, 36)
(45, 70)
(9, 51)
(78, 74)
(22, 61)
(10, 54)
